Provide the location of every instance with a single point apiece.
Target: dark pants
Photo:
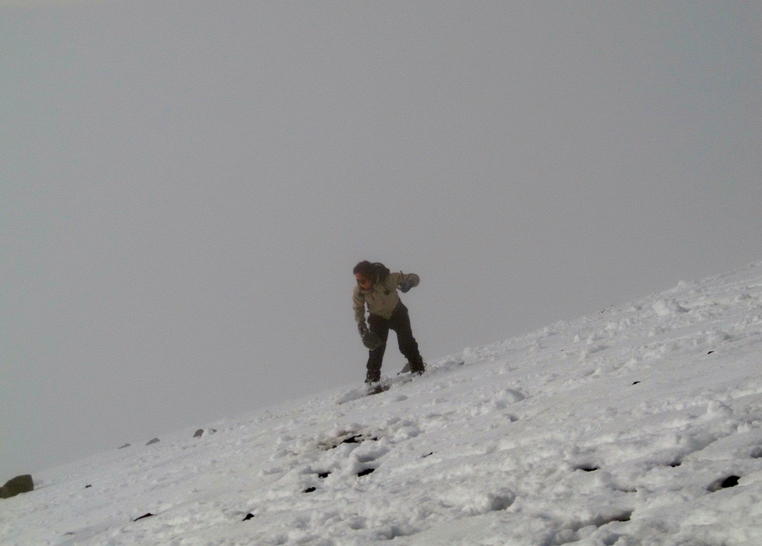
(400, 323)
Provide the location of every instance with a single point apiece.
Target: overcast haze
(186, 186)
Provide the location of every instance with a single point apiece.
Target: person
(377, 290)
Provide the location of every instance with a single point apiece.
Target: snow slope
(641, 424)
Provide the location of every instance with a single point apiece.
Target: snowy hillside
(639, 425)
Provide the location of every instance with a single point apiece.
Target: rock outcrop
(17, 485)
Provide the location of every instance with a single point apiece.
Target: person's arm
(407, 281)
(358, 304)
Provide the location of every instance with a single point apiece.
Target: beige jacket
(382, 297)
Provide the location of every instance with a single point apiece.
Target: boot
(417, 368)
(373, 376)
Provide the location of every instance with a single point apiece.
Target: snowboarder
(377, 289)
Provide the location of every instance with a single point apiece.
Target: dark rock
(248, 517)
(154, 441)
(204, 432)
(16, 486)
(346, 438)
(144, 516)
(310, 490)
(323, 475)
(125, 445)
(366, 472)
(724, 483)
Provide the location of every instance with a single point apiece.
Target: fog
(185, 188)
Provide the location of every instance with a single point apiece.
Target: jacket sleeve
(358, 304)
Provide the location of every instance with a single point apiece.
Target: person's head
(365, 274)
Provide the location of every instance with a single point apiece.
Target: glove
(405, 286)
(370, 339)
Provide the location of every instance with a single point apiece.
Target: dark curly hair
(375, 271)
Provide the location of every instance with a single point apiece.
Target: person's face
(364, 283)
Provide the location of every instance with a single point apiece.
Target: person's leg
(380, 327)
(400, 323)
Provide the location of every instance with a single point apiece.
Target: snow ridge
(641, 424)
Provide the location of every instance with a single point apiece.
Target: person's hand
(370, 339)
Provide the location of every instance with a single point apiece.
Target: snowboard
(384, 385)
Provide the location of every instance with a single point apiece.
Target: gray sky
(186, 186)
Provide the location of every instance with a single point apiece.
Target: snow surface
(641, 424)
